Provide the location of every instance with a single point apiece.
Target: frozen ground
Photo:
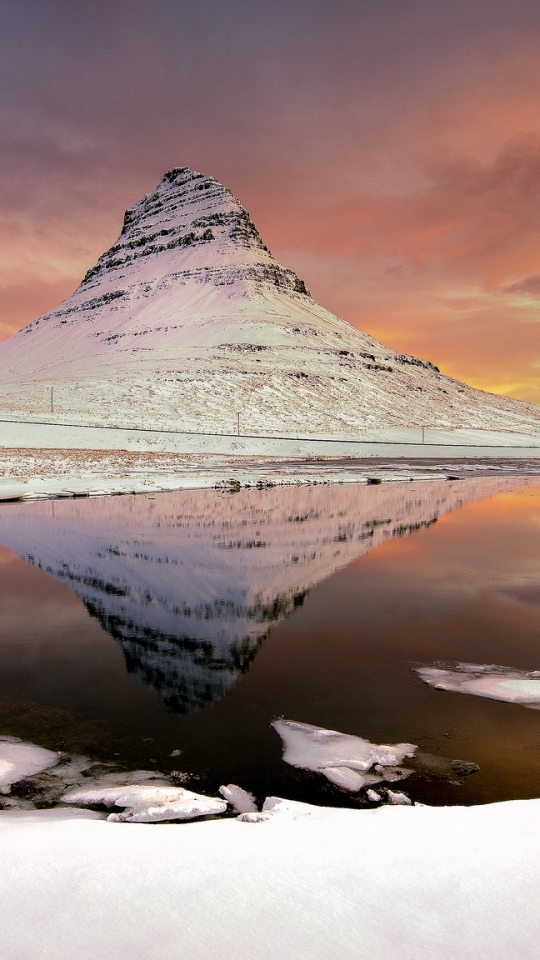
(32, 472)
(302, 883)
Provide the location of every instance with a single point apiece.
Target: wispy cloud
(526, 287)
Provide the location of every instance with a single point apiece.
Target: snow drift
(305, 883)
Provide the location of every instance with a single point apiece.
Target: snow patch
(373, 796)
(19, 760)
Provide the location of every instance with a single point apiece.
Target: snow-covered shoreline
(429, 883)
(33, 472)
(295, 880)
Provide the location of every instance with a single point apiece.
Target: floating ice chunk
(343, 777)
(240, 800)
(373, 796)
(345, 760)
(486, 680)
(148, 803)
(398, 799)
(19, 760)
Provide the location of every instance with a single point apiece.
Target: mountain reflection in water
(189, 583)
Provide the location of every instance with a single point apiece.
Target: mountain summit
(188, 319)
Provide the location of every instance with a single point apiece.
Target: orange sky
(389, 153)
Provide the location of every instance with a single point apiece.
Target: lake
(134, 627)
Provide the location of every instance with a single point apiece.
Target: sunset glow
(389, 153)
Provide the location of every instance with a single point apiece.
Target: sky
(387, 150)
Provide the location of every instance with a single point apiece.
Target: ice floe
(348, 761)
(240, 800)
(19, 760)
(485, 680)
(398, 798)
(373, 796)
(147, 803)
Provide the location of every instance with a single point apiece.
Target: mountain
(188, 320)
(190, 583)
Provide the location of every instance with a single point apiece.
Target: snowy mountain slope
(188, 320)
(190, 583)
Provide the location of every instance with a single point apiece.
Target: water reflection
(189, 583)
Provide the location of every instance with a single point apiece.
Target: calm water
(131, 627)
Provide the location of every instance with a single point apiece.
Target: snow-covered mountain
(190, 583)
(188, 320)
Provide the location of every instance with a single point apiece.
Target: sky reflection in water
(305, 603)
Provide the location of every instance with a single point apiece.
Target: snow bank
(17, 435)
(19, 760)
(345, 760)
(486, 680)
(148, 803)
(309, 883)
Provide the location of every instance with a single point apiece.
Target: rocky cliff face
(190, 583)
(188, 210)
(188, 319)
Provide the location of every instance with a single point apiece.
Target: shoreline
(292, 879)
(307, 883)
(31, 473)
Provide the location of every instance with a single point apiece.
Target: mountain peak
(189, 211)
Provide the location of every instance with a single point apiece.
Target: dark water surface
(131, 627)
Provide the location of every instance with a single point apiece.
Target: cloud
(527, 287)
(482, 220)
(384, 151)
